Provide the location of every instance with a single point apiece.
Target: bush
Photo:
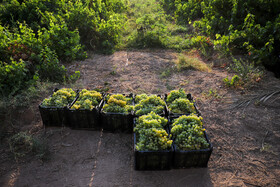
(13, 77)
(251, 28)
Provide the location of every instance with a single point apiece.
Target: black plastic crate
(117, 122)
(193, 158)
(84, 118)
(176, 115)
(152, 160)
(54, 116)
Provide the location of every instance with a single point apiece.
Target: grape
(148, 104)
(188, 133)
(60, 98)
(181, 106)
(118, 103)
(153, 139)
(175, 94)
(150, 133)
(87, 100)
(140, 97)
(152, 120)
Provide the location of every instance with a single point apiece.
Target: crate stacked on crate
(191, 144)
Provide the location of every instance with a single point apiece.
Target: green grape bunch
(150, 103)
(118, 103)
(153, 139)
(188, 133)
(87, 100)
(151, 120)
(175, 94)
(140, 97)
(60, 98)
(182, 106)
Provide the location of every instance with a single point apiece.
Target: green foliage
(235, 81)
(187, 132)
(118, 103)
(182, 106)
(175, 94)
(60, 98)
(87, 100)
(251, 27)
(148, 104)
(49, 67)
(44, 33)
(13, 76)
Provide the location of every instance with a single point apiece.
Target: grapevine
(87, 100)
(60, 98)
(188, 133)
(118, 103)
(150, 103)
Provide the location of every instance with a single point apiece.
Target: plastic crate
(84, 118)
(152, 160)
(117, 122)
(54, 116)
(193, 158)
(176, 115)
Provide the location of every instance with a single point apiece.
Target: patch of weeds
(212, 93)
(267, 148)
(23, 144)
(166, 73)
(185, 62)
(74, 77)
(169, 87)
(247, 72)
(235, 81)
(184, 83)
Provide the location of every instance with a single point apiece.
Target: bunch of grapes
(118, 103)
(150, 133)
(140, 97)
(87, 100)
(182, 106)
(60, 98)
(153, 139)
(188, 133)
(151, 120)
(175, 94)
(148, 104)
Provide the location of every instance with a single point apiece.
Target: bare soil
(246, 140)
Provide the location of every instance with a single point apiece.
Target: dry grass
(191, 61)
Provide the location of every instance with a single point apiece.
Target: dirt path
(246, 142)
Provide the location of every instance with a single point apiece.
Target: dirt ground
(246, 140)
